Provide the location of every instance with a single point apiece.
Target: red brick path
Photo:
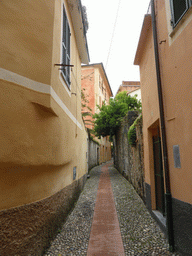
(105, 237)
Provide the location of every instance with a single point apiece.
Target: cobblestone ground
(73, 238)
(140, 233)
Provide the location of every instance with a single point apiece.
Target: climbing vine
(132, 136)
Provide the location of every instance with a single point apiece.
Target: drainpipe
(168, 197)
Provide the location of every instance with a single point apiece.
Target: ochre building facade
(43, 143)
(172, 49)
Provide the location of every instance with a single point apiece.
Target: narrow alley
(109, 219)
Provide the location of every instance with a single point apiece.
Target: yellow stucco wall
(42, 133)
(26, 44)
(150, 109)
(175, 50)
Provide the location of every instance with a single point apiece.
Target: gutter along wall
(43, 138)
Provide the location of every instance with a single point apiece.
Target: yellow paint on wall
(42, 132)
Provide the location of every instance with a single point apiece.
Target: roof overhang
(147, 24)
(75, 8)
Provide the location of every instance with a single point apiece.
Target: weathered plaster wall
(128, 159)
(28, 229)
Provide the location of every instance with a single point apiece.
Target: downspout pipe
(168, 197)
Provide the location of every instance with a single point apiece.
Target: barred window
(66, 49)
(178, 10)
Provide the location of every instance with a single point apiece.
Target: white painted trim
(38, 87)
(62, 105)
(24, 81)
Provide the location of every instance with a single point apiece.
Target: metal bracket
(63, 65)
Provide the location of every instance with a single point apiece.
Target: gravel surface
(140, 233)
(73, 238)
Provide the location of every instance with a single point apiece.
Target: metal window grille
(178, 10)
(66, 49)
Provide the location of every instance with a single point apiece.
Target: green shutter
(66, 49)
(178, 9)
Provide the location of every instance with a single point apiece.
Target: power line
(114, 27)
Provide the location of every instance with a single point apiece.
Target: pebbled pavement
(140, 233)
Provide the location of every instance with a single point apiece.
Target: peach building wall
(175, 54)
(97, 91)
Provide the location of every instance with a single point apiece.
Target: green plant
(132, 137)
(108, 120)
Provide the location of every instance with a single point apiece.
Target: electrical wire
(114, 27)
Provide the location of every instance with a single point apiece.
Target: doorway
(159, 179)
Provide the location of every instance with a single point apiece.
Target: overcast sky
(101, 17)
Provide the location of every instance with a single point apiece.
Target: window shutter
(178, 9)
(66, 49)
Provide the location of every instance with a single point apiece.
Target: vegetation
(108, 120)
(132, 137)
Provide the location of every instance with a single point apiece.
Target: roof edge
(144, 32)
(75, 8)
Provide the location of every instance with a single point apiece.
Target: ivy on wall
(132, 137)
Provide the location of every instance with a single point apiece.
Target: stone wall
(129, 159)
(28, 229)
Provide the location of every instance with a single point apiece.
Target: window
(178, 10)
(66, 49)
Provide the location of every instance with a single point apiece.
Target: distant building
(129, 86)
(97, 90)
(135, 92)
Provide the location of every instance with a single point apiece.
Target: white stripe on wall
(38, 87)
